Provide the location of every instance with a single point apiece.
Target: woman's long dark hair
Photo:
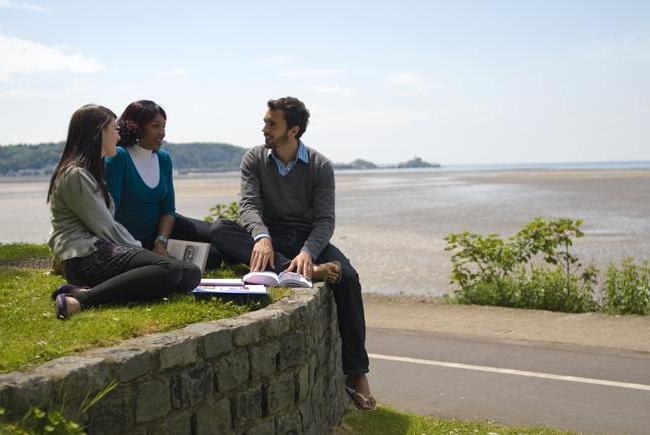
(83, 147)
(134, 118)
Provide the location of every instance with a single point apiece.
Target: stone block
(263, 360)
(299, 317)
(245, 330)
(273, 321)
(288, 424)
(263, 427)
(306, 411)
(280, 394)
(214, 418)
(174, 349)
(75, 376)
(127, 362)
(292, 350)
(303, 382)
(192, 385)
(20, 391)
(114, 412)
(153, 400)
(232, 370)
(179, 424)
(248, 407)
(324, 321)
(216, 338)
(324, 349)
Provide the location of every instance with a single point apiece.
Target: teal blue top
(138, 206)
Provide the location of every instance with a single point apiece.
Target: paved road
(586, 389)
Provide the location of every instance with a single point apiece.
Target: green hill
(42, 158)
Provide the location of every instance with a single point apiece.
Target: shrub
(493, 271)
(223, 211)
(627, 288)
(542, 289)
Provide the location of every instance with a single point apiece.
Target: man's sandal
(362, 403)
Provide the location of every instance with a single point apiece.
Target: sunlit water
(392, 223)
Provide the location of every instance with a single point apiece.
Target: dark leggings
(146, 275)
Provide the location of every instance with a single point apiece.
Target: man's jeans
(236, 245)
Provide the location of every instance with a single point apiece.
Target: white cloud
(20, 56)
(174, 73)
(334, 89)
(411, 82)
(9, 4)
(311, 73)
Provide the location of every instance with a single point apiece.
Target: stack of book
(229, 289)
(251, 287)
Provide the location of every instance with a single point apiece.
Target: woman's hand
(160, 248)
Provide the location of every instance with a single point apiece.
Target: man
(287, 212)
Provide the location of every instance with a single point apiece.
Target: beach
(392, 224)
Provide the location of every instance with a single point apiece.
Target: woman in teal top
(139, 178)
(101, 261)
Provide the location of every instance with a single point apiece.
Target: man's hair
(295, 112)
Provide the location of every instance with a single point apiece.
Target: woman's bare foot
(327, 272)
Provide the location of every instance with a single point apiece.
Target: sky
(455, 82)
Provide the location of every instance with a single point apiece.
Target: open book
(194, 252)
(271, 279)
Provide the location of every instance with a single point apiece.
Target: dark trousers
(236, 245)
(194, 230)
(143, 275)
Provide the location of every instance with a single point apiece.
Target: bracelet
(163, 239)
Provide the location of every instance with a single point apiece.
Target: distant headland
(415, 162)
(40, 159)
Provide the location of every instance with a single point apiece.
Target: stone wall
(272, 371)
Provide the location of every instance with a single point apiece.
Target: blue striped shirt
(285, 169)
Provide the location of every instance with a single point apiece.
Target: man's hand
(262, 255)
(302, 264)
(160, 248)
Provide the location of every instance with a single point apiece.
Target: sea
(391, 223)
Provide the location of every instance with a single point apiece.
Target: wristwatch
(163, 239)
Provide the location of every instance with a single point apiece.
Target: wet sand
(434, 315)
(392, 224)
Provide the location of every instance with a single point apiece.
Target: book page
(269, 279)
(292, 279)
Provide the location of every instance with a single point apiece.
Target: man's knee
(349, 273)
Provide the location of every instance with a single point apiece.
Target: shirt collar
(302, 153)
(285, 169)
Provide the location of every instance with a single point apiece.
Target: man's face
(275, 129)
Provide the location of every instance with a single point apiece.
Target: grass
(30, 334)
(388, 421)
(23, 251)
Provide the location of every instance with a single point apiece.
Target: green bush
(492, 271)
(223, 211)
(541, 289)
(627, 288)
(554, 290)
